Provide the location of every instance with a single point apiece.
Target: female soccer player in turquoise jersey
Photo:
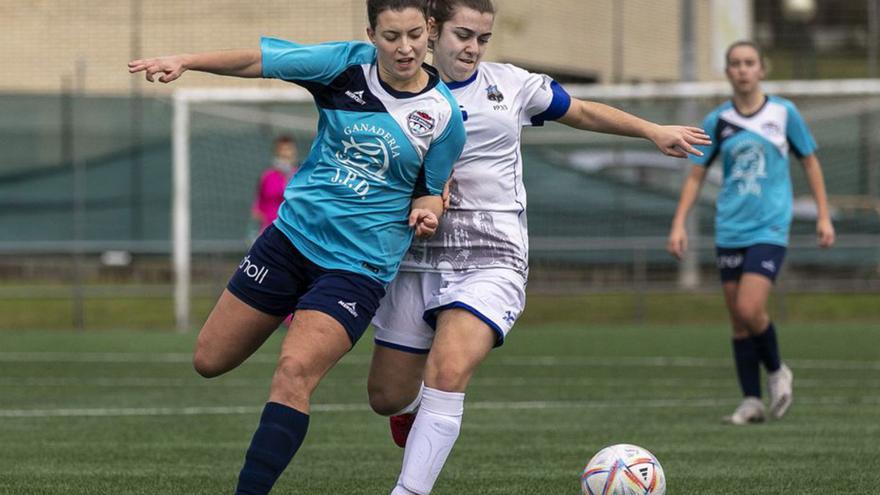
(460, 292)
(753, 134)
(388, 131)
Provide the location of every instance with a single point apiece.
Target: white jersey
(486, 226)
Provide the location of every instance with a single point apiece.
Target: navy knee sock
(748, 368)
(278, 437)
(768, 349)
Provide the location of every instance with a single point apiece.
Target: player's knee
(750, 316)
(386, 399)
(293, 379)
(449, 379)
(385, 403)
(205, 365)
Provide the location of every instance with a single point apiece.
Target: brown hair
(284, 139)
(748, 43)
(376, 7)
(443, 10)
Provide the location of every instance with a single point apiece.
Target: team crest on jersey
(771, 128)
(749, 168)
(420, 123)
(493, 94)
(367, 158)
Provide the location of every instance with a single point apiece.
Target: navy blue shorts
(763, 259)
(277, 279)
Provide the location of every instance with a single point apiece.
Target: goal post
(221, 139)
(180, 213)
(235, 105)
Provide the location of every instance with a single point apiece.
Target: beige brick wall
(42, 41)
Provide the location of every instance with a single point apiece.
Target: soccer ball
(623, 469)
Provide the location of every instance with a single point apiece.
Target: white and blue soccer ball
(623, 469)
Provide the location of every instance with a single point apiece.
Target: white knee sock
(414, 405)
(433, 434)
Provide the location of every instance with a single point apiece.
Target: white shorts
(407, 315)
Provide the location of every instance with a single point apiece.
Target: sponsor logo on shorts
(250, 270)
(509, 318)
(769, 265)
(729, 261)
(351, 307)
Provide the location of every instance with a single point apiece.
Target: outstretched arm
(678, 242)
(672, 140)
(240, 63)
(424, 215)
(824, 227)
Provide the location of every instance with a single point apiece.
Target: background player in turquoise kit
(753, 134)
(389, 130)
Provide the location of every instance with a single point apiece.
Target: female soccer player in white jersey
(468, 281)
(389, 130)
(753, 134)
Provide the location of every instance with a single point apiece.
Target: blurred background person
(753, 134)
(273, 180)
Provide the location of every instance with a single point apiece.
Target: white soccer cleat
(751, 410)
(779, 383)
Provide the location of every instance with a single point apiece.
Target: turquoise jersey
(755, 201)
(376, 148)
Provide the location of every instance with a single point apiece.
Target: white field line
(585, 361)
(654, 383)
(362, 407)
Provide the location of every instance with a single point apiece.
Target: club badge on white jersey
(485, 226)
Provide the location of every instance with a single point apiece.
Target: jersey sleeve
(798, 133)
(543, 99)
(710, 151)
(441, 156)
(317, 64)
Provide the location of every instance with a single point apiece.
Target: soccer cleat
(400, 426)
(779, 382)
(751, 410)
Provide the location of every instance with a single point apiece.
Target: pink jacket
(270, 195)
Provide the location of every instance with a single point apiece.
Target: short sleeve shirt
(348, 205)
(755, 202)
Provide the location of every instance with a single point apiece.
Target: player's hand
(825, 232)
(677, 243)
(679, 140)
(446, 195)
(424, 222)
(170, 67)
